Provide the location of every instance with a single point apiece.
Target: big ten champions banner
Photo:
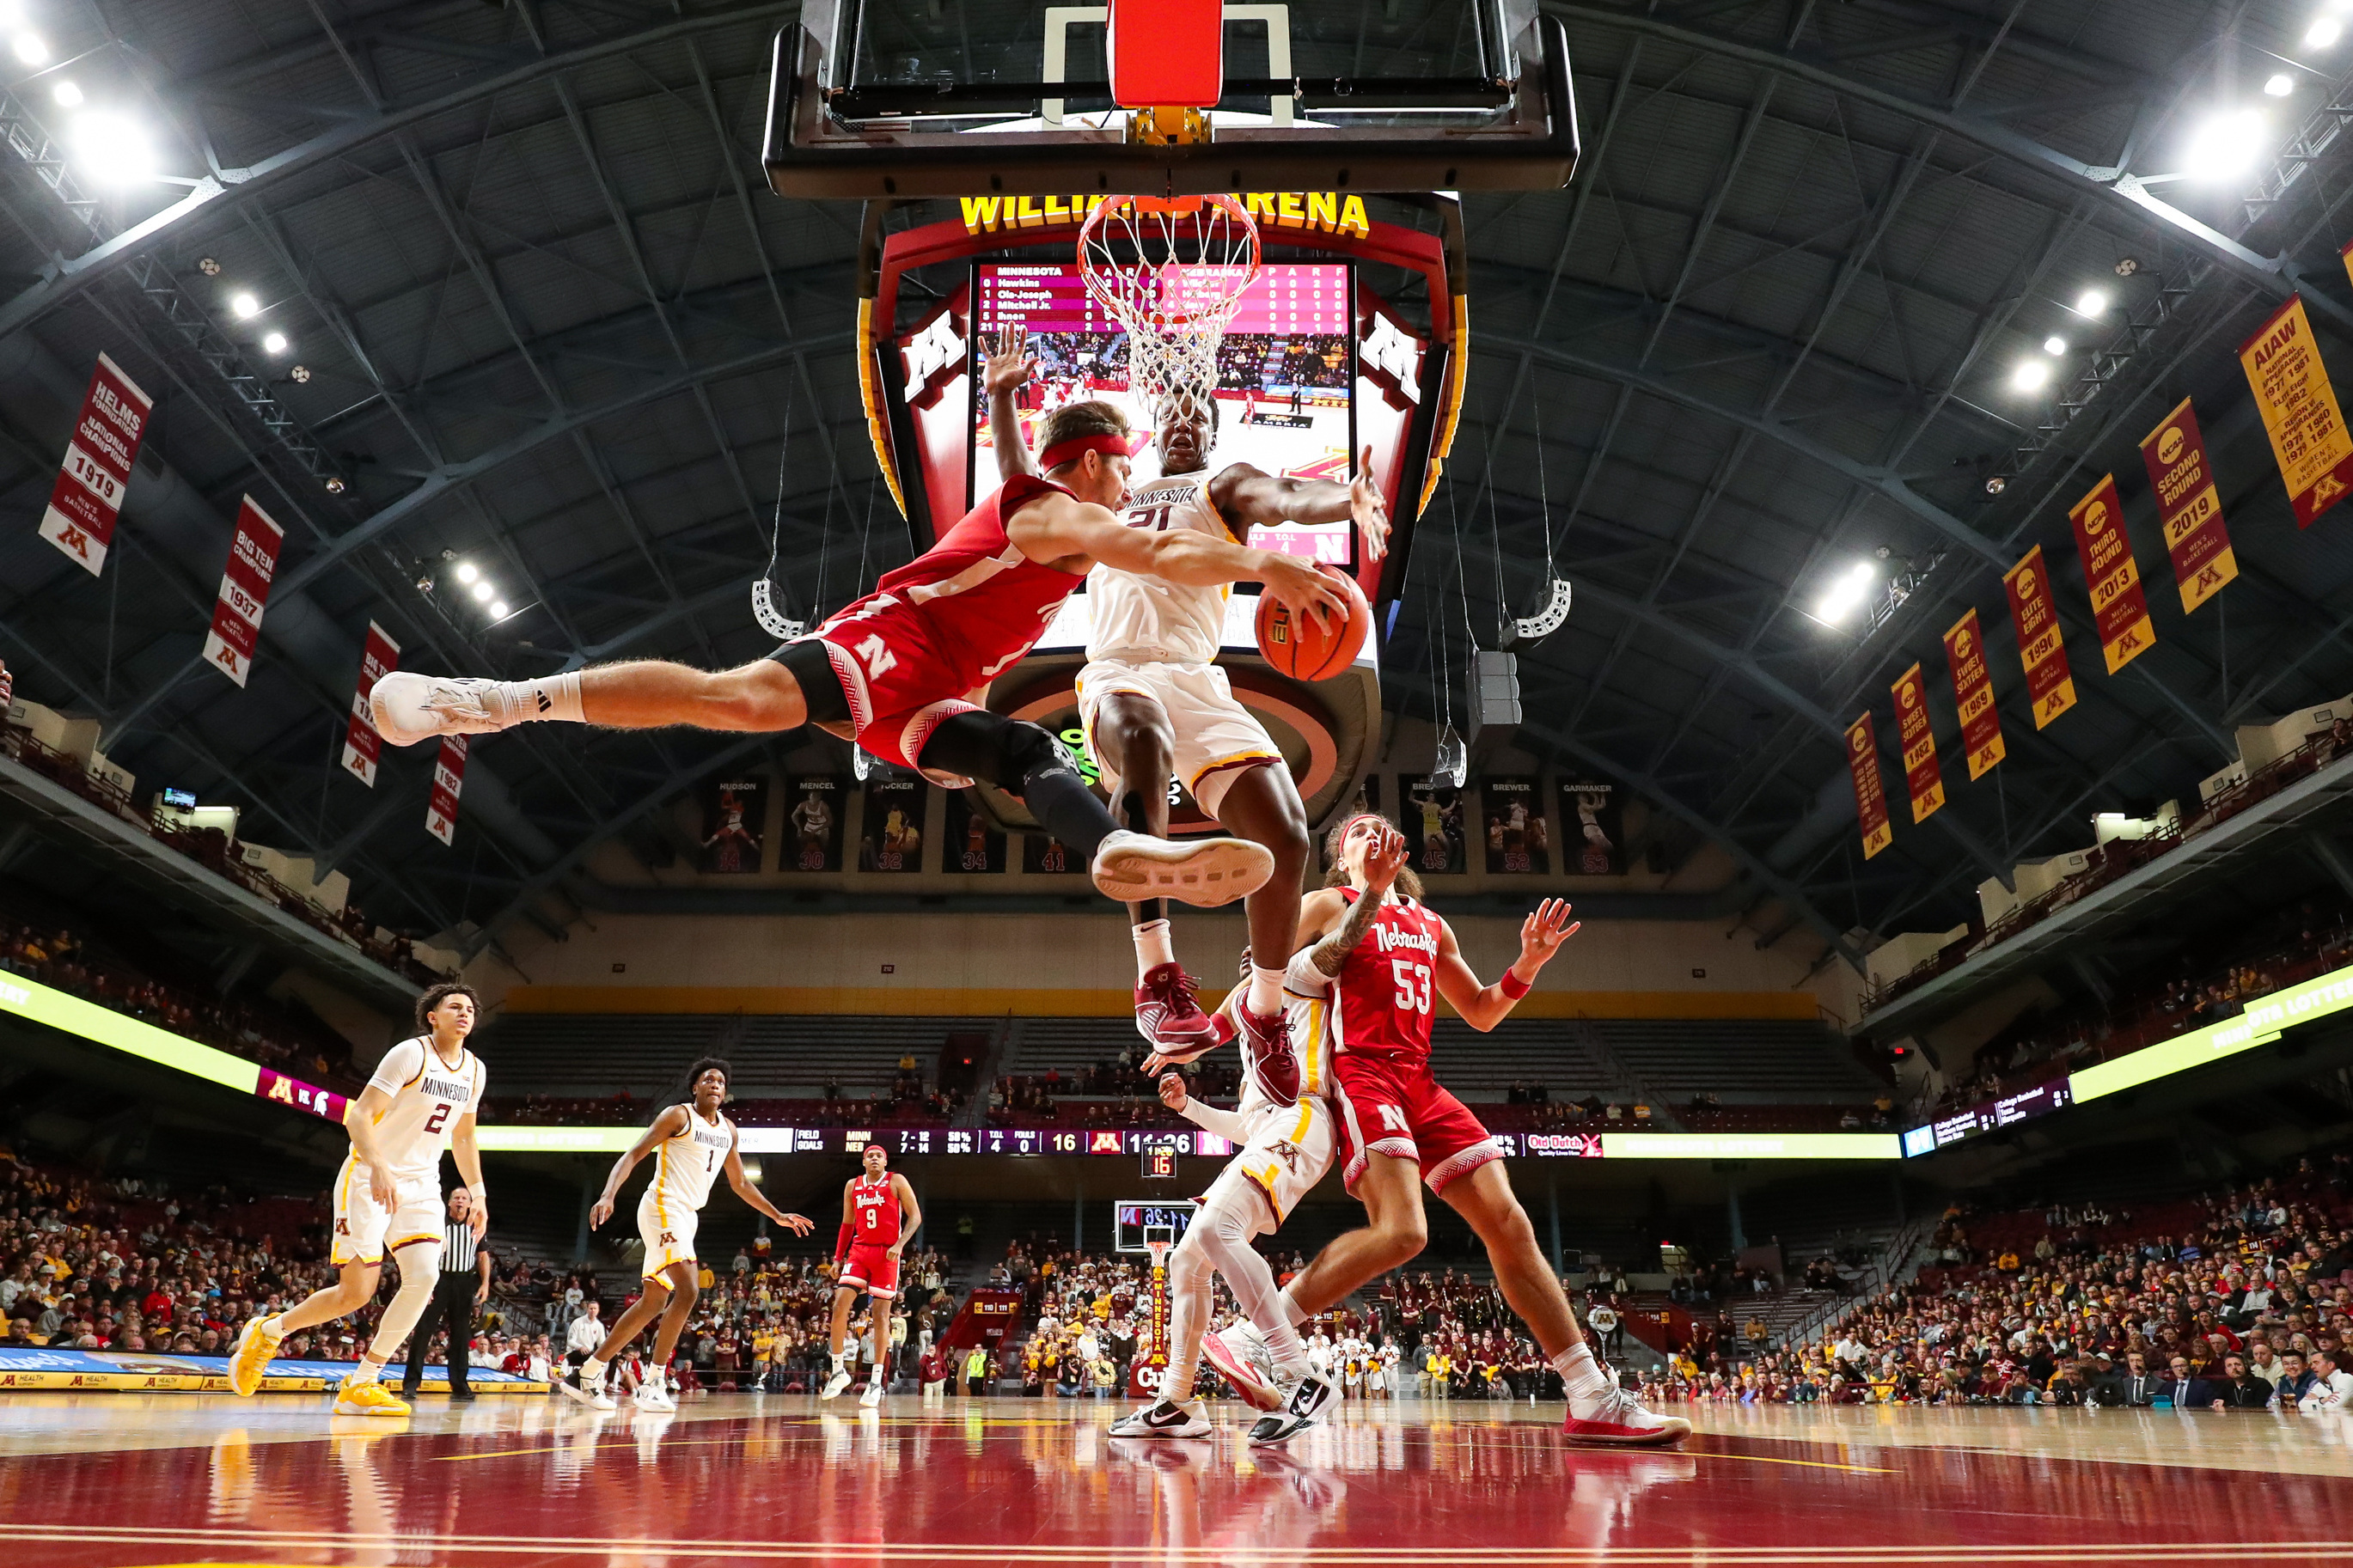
(1512, 820)
(813, 810)
(88, 495)
(243, 592)
(2300, 414)
(2195, 535)
(734, 824)
(1433, 809)
(1592, 827)
(890, 823)
(969, 841)
(361, 746)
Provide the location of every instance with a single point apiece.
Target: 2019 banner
(2183, 479)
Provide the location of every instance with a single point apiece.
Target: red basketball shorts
(898, 681)
(1395, 1107)
(870, 1268)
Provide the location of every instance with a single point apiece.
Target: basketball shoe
(1169, 1016)
(873, 1395)
(837, 1382)
(408, 708)
(1241, 1357)
(1205, 872)
(653, 1395)
(251, 1360)
(1615, 1418)
(1304, 1399)
(1161, 1419)
(577, 1384)
(1266, 1046)
(367, 1399)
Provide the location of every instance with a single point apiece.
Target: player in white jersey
(420, 1101)
(692, 1142)
(1154, 705)
(1283, 1151)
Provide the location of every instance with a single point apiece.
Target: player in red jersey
(1388, 954)
(890, 672)
(878, 1213)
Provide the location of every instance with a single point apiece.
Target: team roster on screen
(1286, 376)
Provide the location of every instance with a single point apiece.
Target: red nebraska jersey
(984, 603)
(1386, 988)
(878, 1212)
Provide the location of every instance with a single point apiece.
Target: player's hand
(382, 1188)
(1370, 508)
(599, 1212)
(1542, 932)
(1304, 588)
(478, 1216)
(1172, 1090)
(1384, 859)
(482, 1293)
(799, 1224)
(1010, 366)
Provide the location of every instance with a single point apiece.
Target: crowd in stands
(1319, 359)
(2243, 1298)
(1120, 1093)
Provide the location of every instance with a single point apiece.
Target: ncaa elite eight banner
(2040, 647)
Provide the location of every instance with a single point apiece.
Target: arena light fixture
(498, 609)
(2279, 84)
(467, 571)
(2031, 374)
(2324, 31)
(2092, 302)
(2224, 144)
(275, 343)
(1846, 592)
(29, 49)
(2055, 344)
(244, 307)
(481, 591)
(66, 94)
(111, 149)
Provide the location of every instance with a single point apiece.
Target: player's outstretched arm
(1226, 1124)
(1249, 497)
(1057, 528)
(1484, 1006)
(1001, 374)
(741, 1180)
(669, 1124)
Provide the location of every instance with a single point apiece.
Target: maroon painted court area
(128, 1479)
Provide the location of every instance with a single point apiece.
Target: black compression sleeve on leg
(1022, 759)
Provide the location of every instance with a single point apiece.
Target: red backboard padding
(1167, 54)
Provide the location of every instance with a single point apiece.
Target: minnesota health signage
(2300, 414)
(2119, 609)
(2183, 479)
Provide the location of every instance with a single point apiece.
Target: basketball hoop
(1173, 272)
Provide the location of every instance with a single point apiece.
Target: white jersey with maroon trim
(429, 1096)
(688, 1161)
(1142, 618)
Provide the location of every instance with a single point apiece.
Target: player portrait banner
(2049, 686)
(244, 591)
(890, 823)
(449, 784)
(734, 824)
(1043, 854)
(2300, 414)
(1923, 780)
(1513, 813)
(379, 656)
(88, 495)
(970, 842)
(1433, 824)
(1981, 739)
(1592, 827)
(2183, 479)
(1870, 795)
(2119, 609)
(814, 804)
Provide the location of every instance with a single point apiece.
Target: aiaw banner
(2300, 414)
(2119, 609)
(1869, 794)
(1973, 689)
(2041, 646)
(1923, 780)
(2195, 537)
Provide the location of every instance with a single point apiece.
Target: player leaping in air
(691, 1142)
(420, 1101)
(878, 1213)
(1387, 955)
(890, 672)
(1152, 700)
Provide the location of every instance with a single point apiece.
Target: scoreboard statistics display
(1993, 1115)
(1133, 1223)
(1286, 376)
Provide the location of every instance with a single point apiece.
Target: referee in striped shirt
(464, 1284)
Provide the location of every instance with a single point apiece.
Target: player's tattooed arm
(1383, 860)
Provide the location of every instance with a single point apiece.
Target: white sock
(1292, 1309)
(367, 1371)
(592, 1370)
(1265, 992)
(1153, 946)
(553, 697)
(1580, 1374)
(1290, 1354)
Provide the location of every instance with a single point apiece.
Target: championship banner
(1973, 689)
(2300, 414)
(1923, 780)
(449, 783)
(361, 746)
(2119, 609)
(2040, 647)
(244, 590)
(88, 495)
(1870, 797)
(2184, 482)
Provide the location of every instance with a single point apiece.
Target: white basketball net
(1172, 272)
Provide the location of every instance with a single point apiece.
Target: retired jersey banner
(2300, 414)
(2119, 609)
(891, 826)
(88, 495)
(244, 591)
(812, 812)
(1513, 817)
(1870, 795)
(449, 784)
(1923, 780)
(2184, 481)
(1973, 689)
(361, 746)
(2049, 685)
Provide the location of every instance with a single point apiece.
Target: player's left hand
(478, 1216)
(1172, 1089)
(799, 1224)
(1370, 508)
(1542, 932)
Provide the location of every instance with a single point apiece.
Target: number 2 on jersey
(1413, 984)
(440, 1115)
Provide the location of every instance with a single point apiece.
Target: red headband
(1109, 446)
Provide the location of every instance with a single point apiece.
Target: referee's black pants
(452, 1307)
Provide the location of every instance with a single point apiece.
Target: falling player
(878, 1213)
(1152, 700)
(420, 1101)
(888, 672)
(691, 1144)
(1387, 955)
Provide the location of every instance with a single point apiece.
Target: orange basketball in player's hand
(1301, 648)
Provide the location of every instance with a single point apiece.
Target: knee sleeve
(1007, 753)
(409, 1303)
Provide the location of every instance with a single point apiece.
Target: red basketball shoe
(1618, 1420)
(1266, 1046)
(1169, 1016)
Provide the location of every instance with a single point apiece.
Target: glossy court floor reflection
(131, 1479)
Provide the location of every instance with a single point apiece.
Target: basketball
(1307, 651)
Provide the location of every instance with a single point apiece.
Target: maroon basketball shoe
(1266, 1046)
(1169, 1016)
